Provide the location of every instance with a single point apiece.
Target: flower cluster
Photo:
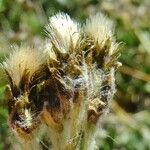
(60, 92)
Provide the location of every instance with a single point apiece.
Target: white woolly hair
(63, 31)
(99, 27)
(21, 60)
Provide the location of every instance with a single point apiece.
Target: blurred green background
(127, 126)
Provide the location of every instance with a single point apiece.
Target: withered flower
(24, 68)
(67, 86)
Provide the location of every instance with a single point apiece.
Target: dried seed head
(23, 68)
(85, 68)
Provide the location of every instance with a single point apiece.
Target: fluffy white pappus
(21, 60)
(99, 27)
(63, 31)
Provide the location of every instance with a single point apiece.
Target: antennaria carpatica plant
(57, 95)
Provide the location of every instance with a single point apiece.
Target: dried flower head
(24, 70)
(72, 88)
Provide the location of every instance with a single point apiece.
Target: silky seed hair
(99, 27)
(62, 31)
(21, 60)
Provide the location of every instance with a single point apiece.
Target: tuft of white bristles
(99, 27)
(21, 60)
(63, 31)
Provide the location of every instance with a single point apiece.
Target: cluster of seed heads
(57, 94)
